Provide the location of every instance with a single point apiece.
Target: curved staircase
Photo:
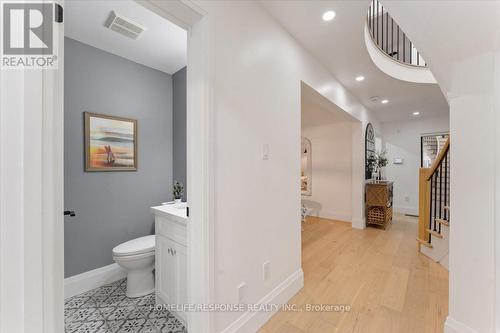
(390, 48)
(434, 208)
(389, 37)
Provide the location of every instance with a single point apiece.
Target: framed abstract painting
(110, 143)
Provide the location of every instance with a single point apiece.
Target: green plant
(177, 190)
(382, 158)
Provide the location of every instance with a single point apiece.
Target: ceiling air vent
(124, 26)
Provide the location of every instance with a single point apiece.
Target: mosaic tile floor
(108, 310)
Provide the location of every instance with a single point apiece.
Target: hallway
(390, 286)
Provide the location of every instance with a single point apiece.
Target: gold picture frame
(110, 143)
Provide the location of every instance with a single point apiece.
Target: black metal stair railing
(389, 37)
(440, 198)
(434, 197)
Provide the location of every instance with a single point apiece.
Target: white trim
(328, 214)
(200, 175)
(31, 203)
(251, 321)
(358, 176)
(95, 278)
(358, 224)
(332, 215)
(52, 191)
(35, 203)
(454, 326)
(11, 201)
(406, 210)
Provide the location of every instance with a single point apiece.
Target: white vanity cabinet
(171, 255)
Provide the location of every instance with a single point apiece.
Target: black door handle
(69, 212)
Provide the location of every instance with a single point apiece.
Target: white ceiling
(444, 37)
(339, 45)
(317, 110)
(163, 46)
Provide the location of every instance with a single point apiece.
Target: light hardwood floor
(390, 286)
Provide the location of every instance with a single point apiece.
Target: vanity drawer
(171, 229)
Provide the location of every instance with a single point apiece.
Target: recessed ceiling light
(384, 101)
(360, 78)
(329, 15)
(416, 113)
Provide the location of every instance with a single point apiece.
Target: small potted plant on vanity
(177, 191)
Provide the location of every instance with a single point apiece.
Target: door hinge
(58, 13)
(70, 212)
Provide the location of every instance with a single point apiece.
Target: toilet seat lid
(135, 246)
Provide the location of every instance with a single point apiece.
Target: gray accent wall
(113, 207)
(179, 128)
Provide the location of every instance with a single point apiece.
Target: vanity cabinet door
(180, 257)
(165, 265)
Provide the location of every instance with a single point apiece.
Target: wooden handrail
(424, 204)
(439, 159)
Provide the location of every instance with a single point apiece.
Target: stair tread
(434, 233)
(424, 243)
(443, 221)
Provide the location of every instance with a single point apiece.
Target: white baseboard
(250, 322)
(95, 278)
(334, 216)
(329, 214)
(358, 224)
(454, 326)
(406, 210)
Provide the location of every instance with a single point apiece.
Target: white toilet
(137, 257)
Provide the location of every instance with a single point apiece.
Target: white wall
(466, 63)
(472, 239)
(331, 146)
(257, 70)
(402, 140)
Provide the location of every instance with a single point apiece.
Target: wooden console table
(378, 197)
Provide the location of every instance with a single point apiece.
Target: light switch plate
(242, 292)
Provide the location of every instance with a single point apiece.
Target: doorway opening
(125, 145)
(430, 146)
(360, 271)
(134, 148)
(327, 134)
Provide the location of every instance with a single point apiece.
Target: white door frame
(200, 175)
(31, 184)
(31, 199)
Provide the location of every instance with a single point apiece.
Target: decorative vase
(178, 200)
